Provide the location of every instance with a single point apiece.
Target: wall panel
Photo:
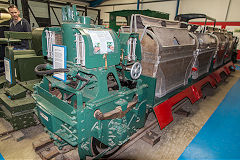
(213, 8)
(234, 13)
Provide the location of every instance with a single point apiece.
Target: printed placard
(8, 70)
(102, 41)
(60, 61)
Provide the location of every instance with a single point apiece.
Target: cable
(41, 70)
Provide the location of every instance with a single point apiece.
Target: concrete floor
(174, 138)
(22, 150)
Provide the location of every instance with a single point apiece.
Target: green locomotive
(97, 87)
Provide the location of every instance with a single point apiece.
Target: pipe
(119, 4)
(41, 70)
(177, 7)
(228, 10)
(116, 113)
(138, 1)
(81, 79)
(5, 16)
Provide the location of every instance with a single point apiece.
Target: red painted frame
(163, 111)
(222, 24)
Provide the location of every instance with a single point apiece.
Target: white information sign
(59, 60)
(102, 41)
(8, 71)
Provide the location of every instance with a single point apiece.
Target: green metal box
(25, 65)
(16, 92)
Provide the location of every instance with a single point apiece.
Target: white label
(7, 65)
(44, 116)
(102, 41)
(50, 36)
(59, 61)
(80, 48)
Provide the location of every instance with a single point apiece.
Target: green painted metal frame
(73, 119)
(77, 125)
(127, 14)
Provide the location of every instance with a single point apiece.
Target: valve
(136, 70)
(214, 61)
(194, 69)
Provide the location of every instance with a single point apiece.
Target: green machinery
(17, 84)
(98, 87)
(94, 97)
(128, 13)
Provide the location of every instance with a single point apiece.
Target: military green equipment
(17, 84)
(4, 16)
(3, 43)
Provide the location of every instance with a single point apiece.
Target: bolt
(73, 118)
(73, 112)
(74, 131)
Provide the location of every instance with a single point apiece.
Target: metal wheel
(136, 70)
(98, 147)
